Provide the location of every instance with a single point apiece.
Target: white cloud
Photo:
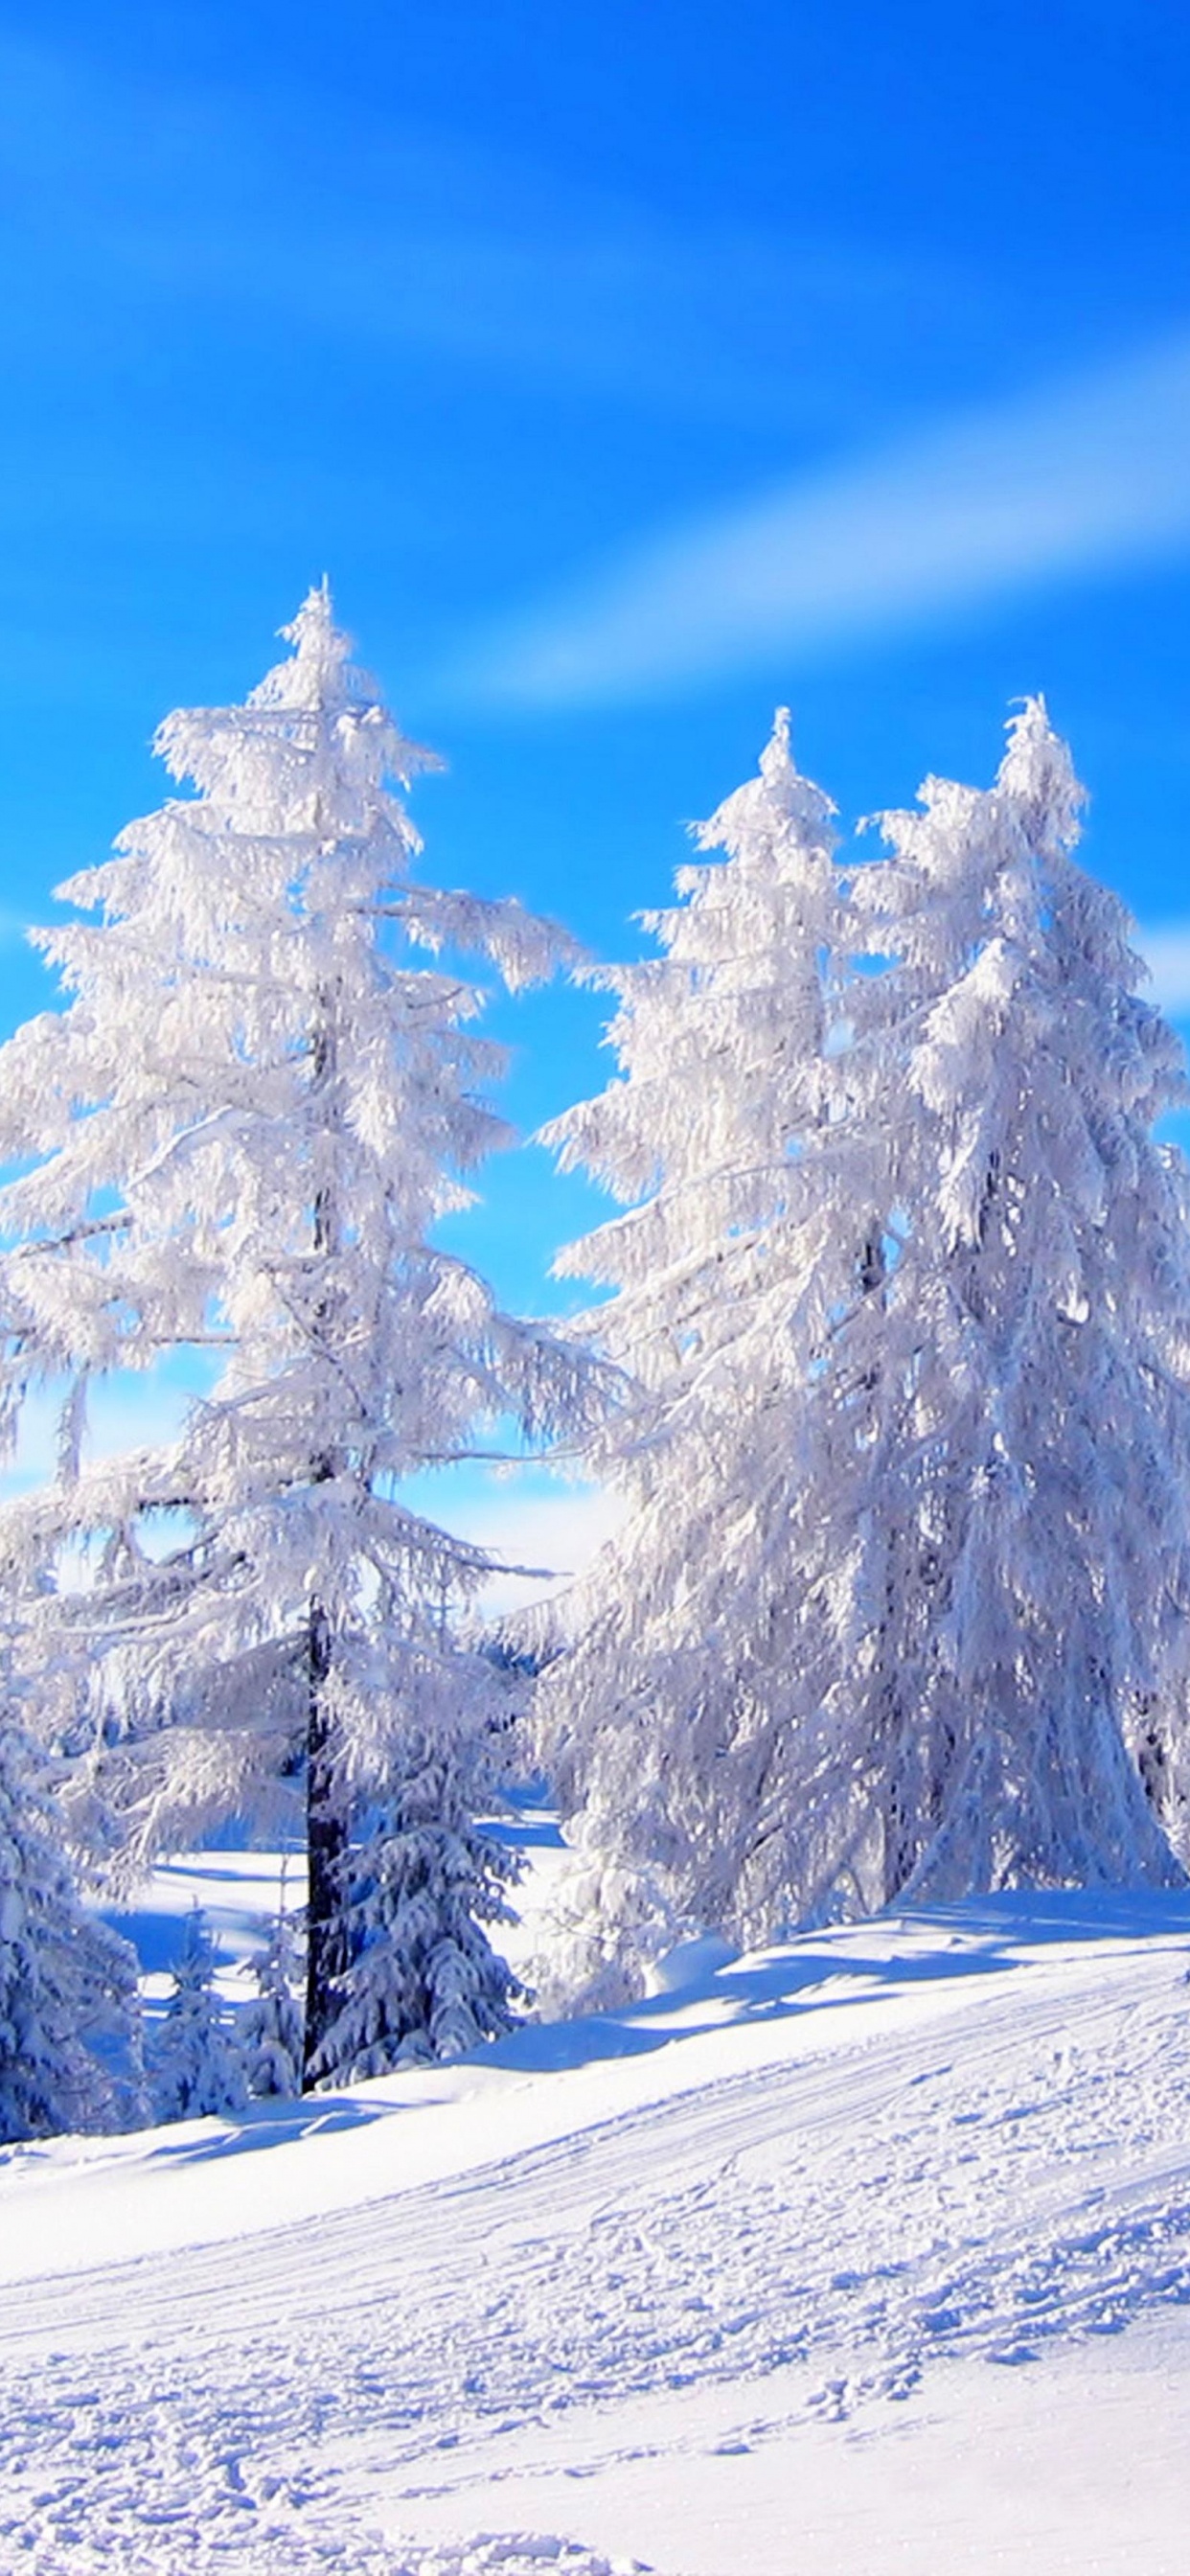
(1092, 473)
(1166, 952)
(557, 1528)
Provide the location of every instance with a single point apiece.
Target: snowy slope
(869, 2253)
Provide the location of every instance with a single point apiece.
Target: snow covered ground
(871, 2253)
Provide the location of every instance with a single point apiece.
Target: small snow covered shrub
(269, 2029)
(196, 2067)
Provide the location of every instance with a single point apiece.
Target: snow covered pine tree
(900, 1605)
(246, 1124)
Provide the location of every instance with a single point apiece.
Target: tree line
(891, 1365)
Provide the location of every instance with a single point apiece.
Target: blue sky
(630, 367)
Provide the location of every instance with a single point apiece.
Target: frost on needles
(899, 1606)
(243, 1129)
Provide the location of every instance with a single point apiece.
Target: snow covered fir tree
(421, 1979)
(899, 1604)
(241, 1132)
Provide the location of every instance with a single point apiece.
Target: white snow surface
(867, 2253)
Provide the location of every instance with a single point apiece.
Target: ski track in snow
(1012, 2172)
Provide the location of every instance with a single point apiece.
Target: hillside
(870, 2252)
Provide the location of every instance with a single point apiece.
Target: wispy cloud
(391, 237)
(1092, 473)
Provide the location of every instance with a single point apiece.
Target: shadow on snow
(704, 1987)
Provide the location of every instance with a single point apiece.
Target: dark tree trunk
(326, 1850)
(902, 1836)
(327, 1823)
